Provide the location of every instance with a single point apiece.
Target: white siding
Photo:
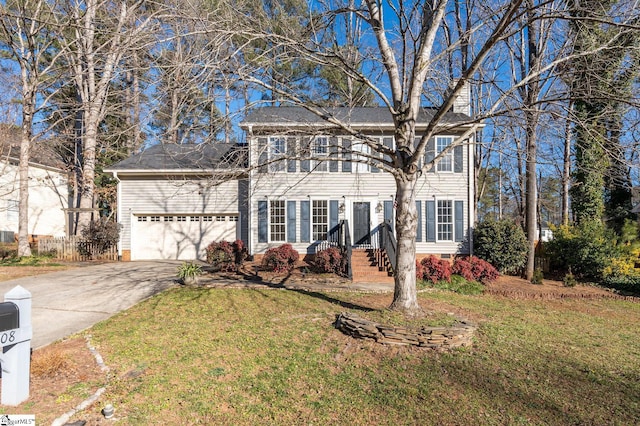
(48, 197)
(352, 187)
(164, 195)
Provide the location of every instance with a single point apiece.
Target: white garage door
(179, 237)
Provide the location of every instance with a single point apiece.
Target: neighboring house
(303, 200)
(174, 200)
(48, 189)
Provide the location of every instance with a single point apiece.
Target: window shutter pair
(430, 154)
(458, 221)
(263, 221)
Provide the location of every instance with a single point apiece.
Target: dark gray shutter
(333, 154)
(305, 164)
(333, 220)
(457, 159)
(419, 229)
(346, 155)
(374, 155)
(291, 155)
(263, 221)
(388, 213)
(263, 155)
(305, 221)
(291, 221)
(431, 221)
(388, 142)
(459, 220)
(430, 153)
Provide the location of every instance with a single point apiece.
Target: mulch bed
(521, 289)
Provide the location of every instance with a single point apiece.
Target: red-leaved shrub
(280, 259)
(434, 269)
(226, 256)
(329, 260)
(475, 269)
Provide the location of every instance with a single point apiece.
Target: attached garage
(179, 237)
(175, 200)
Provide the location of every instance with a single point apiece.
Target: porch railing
(387, 245)
(348, 249)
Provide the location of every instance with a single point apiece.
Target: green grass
(245, 357)
(34, 260)
(457, 284)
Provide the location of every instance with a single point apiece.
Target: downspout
(249, 199)
(471, 187)
(119, 212)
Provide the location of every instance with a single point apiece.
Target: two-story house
(307, 176)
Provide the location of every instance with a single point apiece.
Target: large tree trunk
(23, 203)
(88, 169)
(405, 297)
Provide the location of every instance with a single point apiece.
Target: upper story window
(320, 149)
(446, 162)
(277, 153)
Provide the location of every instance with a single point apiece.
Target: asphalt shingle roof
(368, 116)
(184, 157)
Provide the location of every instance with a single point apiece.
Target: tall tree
(103, 32)
(607, 62)
(27, 35)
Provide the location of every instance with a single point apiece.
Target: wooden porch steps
(365, 268)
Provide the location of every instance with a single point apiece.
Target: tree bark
(405, 296)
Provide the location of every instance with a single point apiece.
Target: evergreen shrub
(502, 243)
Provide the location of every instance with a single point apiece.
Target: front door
(361, 230)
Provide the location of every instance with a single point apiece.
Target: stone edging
(457, 335)
(63, 419)
(526, 295)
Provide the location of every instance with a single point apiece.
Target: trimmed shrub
(226, 256)
(569, 280)
(329, 260)
(434, 269)
(475, 269)
(502, 243)
(280, 259)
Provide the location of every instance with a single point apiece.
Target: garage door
(178, 236)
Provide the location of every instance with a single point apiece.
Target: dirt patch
(12, 272)
(63, 375)
(518, 288)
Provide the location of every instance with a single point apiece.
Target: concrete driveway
(67, 302)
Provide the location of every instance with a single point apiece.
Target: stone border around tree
(457, 335)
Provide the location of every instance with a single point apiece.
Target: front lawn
(246, 357)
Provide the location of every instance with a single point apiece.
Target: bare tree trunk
(23, 204)
(405, 296)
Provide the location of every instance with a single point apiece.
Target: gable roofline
(373, 118)
(188, 159)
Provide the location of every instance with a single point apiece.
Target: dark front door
(361, 231)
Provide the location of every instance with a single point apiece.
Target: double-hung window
(445, 220)
(12, 209)
(319, 152)
(446, 162)
(277, 152)
(278, 220)
(319, 219)
(361, 157)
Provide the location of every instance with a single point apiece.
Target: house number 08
(8, 337)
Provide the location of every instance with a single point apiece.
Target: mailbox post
(15, 342)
